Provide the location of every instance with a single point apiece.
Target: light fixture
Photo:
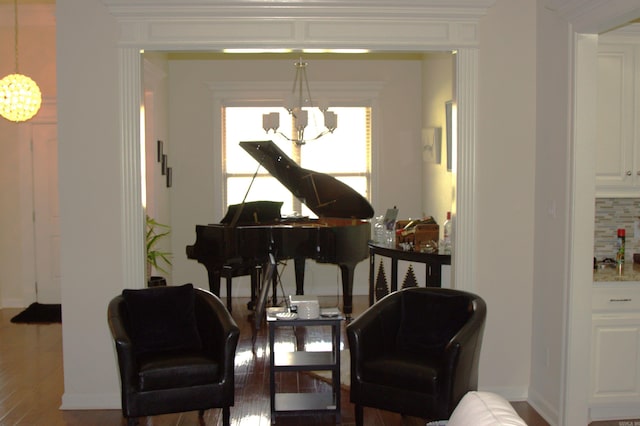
(271, 121)
(20, 96)
(255, 50)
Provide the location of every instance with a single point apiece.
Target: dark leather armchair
(176, 347)
(416, 352)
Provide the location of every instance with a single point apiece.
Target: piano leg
(299, 264)
(255, 283)
(274, 288)
(229, 279)
(347, 270)
(214, 280)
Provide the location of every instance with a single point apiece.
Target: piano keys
(250, 232)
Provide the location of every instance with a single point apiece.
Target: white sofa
(482, 409)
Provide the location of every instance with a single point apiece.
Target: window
(345, 154)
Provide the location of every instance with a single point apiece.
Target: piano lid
(325, 195)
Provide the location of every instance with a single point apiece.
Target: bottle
(379, 234)
(446, 237)
(621, 243)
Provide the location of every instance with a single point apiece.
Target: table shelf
(301, 360)
(296, 402)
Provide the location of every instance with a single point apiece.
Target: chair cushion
(401, 372)
(162, 319)
(176, 370)
(428, 323)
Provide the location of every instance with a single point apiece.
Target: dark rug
(39, 313)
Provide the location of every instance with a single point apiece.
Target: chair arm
(116, 316)
(461, 357)
(218, 331)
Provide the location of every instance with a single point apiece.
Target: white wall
(90, 199)
(156, 103)
(505, 192)
(551, 210)
(196, 195)
(438, 187)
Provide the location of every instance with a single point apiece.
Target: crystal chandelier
(300, 116)
(20, 96)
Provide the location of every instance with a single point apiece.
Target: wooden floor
(31, 382)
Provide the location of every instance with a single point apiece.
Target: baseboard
(544, 407)
(614, 411)
(101, 401)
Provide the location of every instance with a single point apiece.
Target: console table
(378, 283)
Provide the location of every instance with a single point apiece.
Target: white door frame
(587, 20)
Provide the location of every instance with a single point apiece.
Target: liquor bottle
(446, 237)
(621, 244)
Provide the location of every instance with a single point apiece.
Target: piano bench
(229, 271)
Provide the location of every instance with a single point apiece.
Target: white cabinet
(618, 134)
(615, 351)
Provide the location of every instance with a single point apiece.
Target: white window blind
(345, 154)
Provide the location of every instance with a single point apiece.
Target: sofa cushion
(484, 409)
(162, 319)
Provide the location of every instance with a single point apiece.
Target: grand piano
(251, 233)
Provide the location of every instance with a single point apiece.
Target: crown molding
(627, 34)
(236, 8)
(210, 24)
(595, 16)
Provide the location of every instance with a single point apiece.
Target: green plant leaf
(155, 231)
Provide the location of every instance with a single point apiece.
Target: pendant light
(271, 121)
(20, 96)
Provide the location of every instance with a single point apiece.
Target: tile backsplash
(611, 214)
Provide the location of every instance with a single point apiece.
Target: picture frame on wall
(160, 150)
(164, 164)
(449, 124)
(432, 145)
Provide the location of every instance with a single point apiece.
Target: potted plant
(156, 258)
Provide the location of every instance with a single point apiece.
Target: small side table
(300, 360)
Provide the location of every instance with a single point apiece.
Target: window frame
(268, 93)
(296, 154)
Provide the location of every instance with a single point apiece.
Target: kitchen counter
(631, 272)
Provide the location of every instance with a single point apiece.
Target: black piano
(251, 232)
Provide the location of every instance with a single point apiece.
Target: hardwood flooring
(31, 382)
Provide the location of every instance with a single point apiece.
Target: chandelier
(301, 99)
(20, 96)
